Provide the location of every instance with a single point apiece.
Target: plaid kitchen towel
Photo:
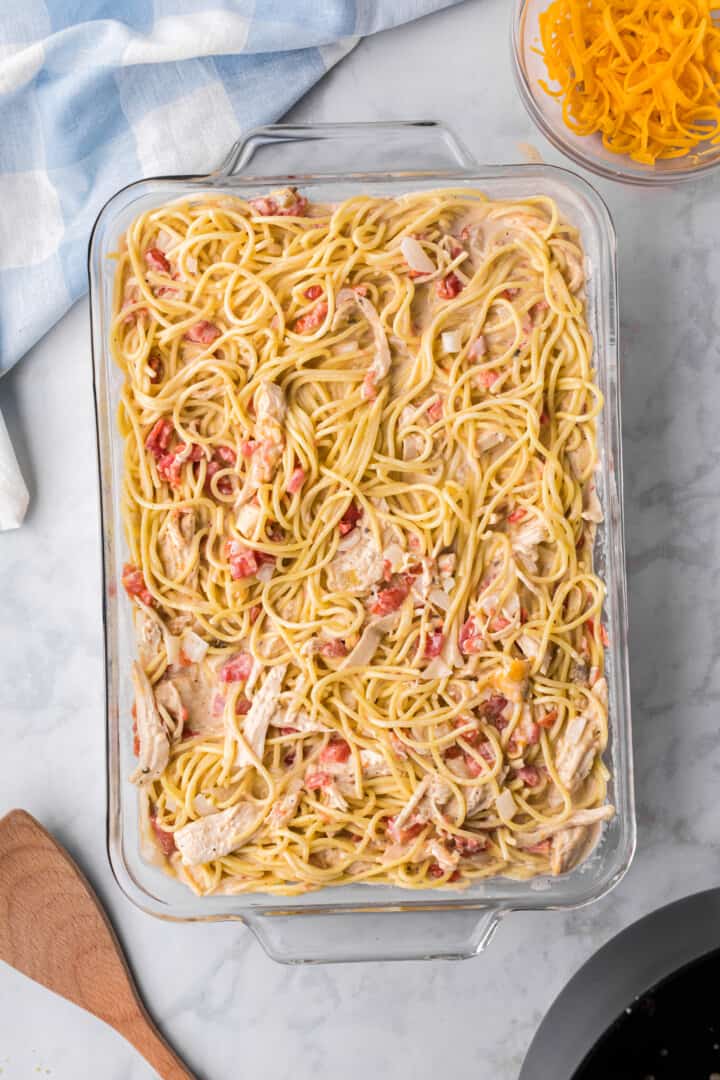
(96, 93)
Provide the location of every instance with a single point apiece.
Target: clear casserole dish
(365, 922)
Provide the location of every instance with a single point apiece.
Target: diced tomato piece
(350, 518)
(604, 639)
(517, 515)
(195, 453)
(510, 294)
(471, 638)
(156, 366)
(267, 206)
(474, 767)
(237, 668)
(255, 612)
(498, 623)
(467, 845)
(248, 447)
(453, 752)
(155, 258)
(296, 481)
(243, 560)
(203, 332)
(188, 733)
(316, 780)
(435, 870)
(312, 319)
(242, 705)
(169, 469)
(165, 838)
(486, 750)
(134, 584)
(435, 411)
(334, 648)
(390, 599)
(434, 643)
(542, 848)
(547, 719)
(493, 709)
(487, 377)
(159, 438)
(337, 750)
(472, 735)
(387, 570)
(226, 454)
(211, 468)
(449, 286)
(313, 293)
(529, 776)
(405, 833)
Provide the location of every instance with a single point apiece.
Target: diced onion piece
(172, 647)
(439, 599)
(369, 640)
(505, 805)
(395, 555)
(416, 258)
(436, 669)
(478, 347)
(451, 341)
(193, 646)
(164, 240)
(203, 806)
(265, 572)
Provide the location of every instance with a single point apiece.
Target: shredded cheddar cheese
(645, 74)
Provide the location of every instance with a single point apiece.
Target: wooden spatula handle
(53, 929)
(145, 1037)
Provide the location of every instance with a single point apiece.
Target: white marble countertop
(222, 1003)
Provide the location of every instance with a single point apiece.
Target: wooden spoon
(53, 929)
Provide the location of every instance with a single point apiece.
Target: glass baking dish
(360, 922)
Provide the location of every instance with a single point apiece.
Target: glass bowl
(587, 150)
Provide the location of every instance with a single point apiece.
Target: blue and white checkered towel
(98, 93)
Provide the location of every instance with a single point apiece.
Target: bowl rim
(626, 172)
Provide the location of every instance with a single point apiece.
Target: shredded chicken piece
(373, 764)
(285, 808)
(175, 544)
(572, 846)
(270, 413)
(414, 800)
(154, 748)
(216, 835)
(149, 637)
(525, 540)
(576, 750)
(358, 566)
(262, 710)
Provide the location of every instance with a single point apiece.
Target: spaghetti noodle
(360, 443)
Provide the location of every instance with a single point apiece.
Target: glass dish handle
(296, 150)
(407, 934)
